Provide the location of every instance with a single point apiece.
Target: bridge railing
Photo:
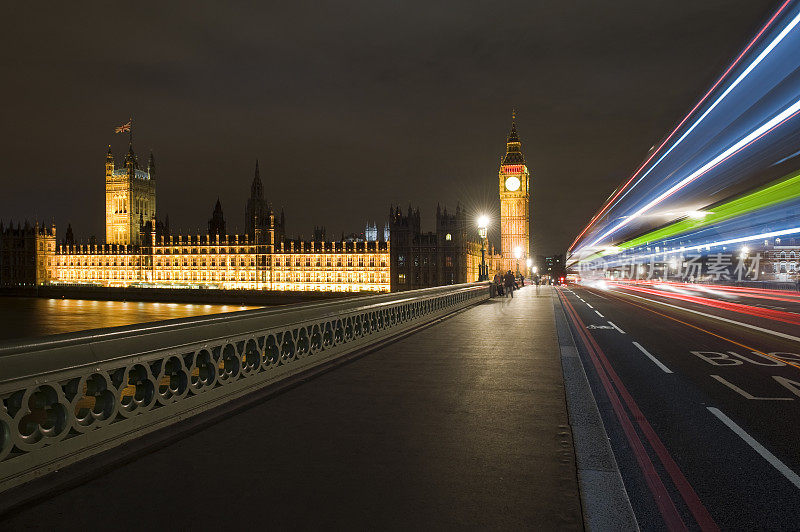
(67, 397)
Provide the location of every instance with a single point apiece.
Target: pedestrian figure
(509, 283)
(498, 284)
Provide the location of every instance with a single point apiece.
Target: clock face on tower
(512, 183)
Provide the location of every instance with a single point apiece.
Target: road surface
(699, 389)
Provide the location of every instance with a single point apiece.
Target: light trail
(699, 103)
(739, 240)
(745, 291)
(750, 310)
(753, 136)
(783, 191)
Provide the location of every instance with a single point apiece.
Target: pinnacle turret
(513, 144)
(151, 166)
(257, 188)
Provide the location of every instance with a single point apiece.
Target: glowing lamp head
(483, 221)
(517, 252)
(529, 262)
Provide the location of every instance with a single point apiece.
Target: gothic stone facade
(26, 254)
(130, 198)
(446, 256)
(140, 251)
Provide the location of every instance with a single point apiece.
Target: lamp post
(483, 273)
(517, 255)
(529, 263)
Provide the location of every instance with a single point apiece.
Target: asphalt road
(700, 394)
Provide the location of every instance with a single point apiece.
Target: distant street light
(517, 255)
(483, 222)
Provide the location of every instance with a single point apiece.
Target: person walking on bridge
(509, 280)
(498, 284)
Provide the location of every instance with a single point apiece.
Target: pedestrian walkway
(461, 425)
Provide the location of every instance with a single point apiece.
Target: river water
(22, 317)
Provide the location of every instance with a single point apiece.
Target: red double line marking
(665, 504)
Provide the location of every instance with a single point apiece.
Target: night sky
(350, 106)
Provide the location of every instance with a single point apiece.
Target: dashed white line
(598, 313)
(617, 328)
(657, 362)
(790, 475)
(588, 305)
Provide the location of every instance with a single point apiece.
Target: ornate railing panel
(65, 398)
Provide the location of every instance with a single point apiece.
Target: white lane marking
(617, 328)
(747, 395)
(588, 305)
(657, 362)
(598, 313)
(720, 318)
(790, 475)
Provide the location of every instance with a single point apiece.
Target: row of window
(130, 275)
(361, 261)
(401, 261)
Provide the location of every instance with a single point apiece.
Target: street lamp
(517, 255)
(483, 222)
(529, 263)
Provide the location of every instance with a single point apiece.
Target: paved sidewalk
(461, 425)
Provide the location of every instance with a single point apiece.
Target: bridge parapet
(68, 397)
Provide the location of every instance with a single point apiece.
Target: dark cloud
(350, 106)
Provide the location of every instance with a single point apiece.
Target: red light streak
(777, 315)
(758, 293)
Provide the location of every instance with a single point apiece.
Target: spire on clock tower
(513, 145)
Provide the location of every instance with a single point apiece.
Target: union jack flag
(123, 128)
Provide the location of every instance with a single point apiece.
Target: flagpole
(130, 131)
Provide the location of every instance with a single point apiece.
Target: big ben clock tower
(514, 204)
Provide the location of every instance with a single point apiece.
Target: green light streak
(782, 191)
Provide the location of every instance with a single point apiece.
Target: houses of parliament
(141, 251)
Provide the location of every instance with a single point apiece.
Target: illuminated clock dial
(512, 183)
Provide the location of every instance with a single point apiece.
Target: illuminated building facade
(779, 259)
(130, 198)
(514, 182)
(140, 251)
(228, 262)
